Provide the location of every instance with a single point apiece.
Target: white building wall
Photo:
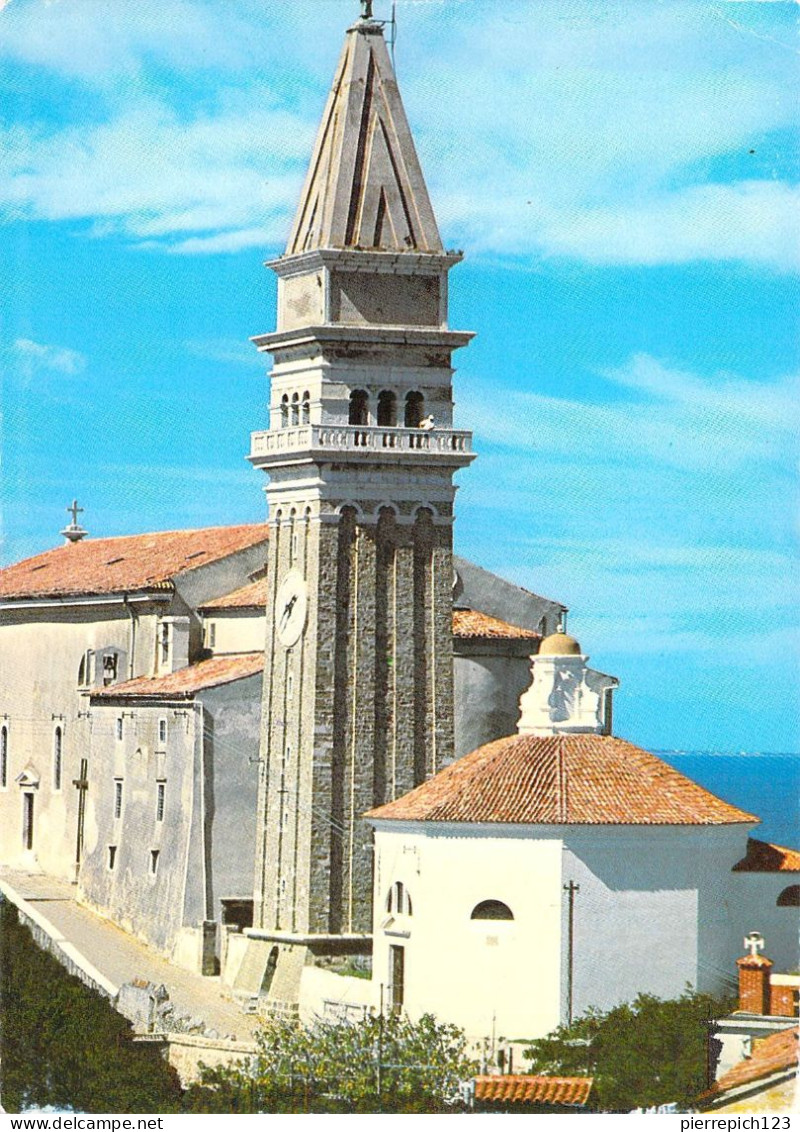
(235, 631)
(489, 977)
(657, 909)
(41, 648)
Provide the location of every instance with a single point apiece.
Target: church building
(194, 724)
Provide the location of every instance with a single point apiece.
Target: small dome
(559, 644)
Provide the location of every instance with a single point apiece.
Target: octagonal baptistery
(542, 875)
(556, 870)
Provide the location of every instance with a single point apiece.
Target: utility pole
(570, 889)
(379, 1070)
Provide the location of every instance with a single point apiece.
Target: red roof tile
(762, 857)
(777, 1053)
(186, 681)
(573, 1091)
(251, 596)
(469, 623)
(562, 779)
(119, 565)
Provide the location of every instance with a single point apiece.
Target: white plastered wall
(489, 977)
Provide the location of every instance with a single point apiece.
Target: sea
(766, 785)
(78, 1061)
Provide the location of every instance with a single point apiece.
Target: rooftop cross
(74, 511)
(755, 942)
(366, 9)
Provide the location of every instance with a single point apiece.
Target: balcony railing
(359, 439)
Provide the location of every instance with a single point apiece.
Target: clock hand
(287, 609)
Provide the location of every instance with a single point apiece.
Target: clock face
(291, 606)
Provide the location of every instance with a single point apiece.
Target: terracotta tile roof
(470, 623)
(129, 562)
(251, 596)
(777, 1053)
(761, 857)
(573, 1091)
(562, 779)
(186, 681)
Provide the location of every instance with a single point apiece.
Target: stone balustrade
(358, 439)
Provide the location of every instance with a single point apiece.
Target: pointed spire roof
(365, 187)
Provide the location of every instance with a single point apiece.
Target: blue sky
(622, 178)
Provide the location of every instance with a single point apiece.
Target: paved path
(120, 958)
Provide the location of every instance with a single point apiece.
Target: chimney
(754, 977)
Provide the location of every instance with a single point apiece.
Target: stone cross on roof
(74, 532)
(366, 9)
(754, 941)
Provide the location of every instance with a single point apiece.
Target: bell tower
(360, 452)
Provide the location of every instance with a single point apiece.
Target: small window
(3, 757)
(290, 684)
(154, 853)
(57, 753)
(112, 857)
(85, 669)
(398, 900)
(161, 791)
(491, 910)
(415, 407)
(162, 732)
(119, 728)
(285, 411)
(165, 642)
(110, 665)
(790, 897)
(295, 410)
(359, 408)
(305, 408)
(117, 798)
(212, 634)
(387, 409)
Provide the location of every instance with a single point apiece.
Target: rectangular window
(397, 973)
(212, 634)
(27, 821)
(165, 644)
(57, 758)
(112, 857)
(162, 732)
(161, 789)
(3, 757)
(117, 798)
(119, 727)
(154, 861)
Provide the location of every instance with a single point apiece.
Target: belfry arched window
(398, 900)
(285, 411)
(491, 910)
(305, 408)
(295, 410)
(387, 409)
(359, 408)
(790, 897)
(415, 407)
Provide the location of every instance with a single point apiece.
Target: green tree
(378, 1064)
(648, 1052)
(64, 1045)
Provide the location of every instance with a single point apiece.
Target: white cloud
(551, 129)
(677, 420)
(35, 357)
